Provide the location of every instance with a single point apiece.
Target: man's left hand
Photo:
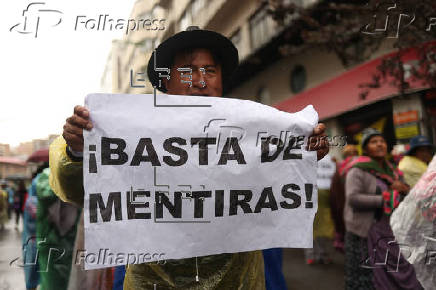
(318, 141)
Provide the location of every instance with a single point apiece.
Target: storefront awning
(342, 93)
(12, 160)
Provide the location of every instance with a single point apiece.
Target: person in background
(3, 206)
(397, 153)
(414, 164)
(337, 196)
(30, 252)
(10, 192)
(19, 197)
(55, 233)
(323, 228)
(373, 189)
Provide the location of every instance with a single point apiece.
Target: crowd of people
(48, 230)
(358, 201)
(12, 200)
(360, 211)
(365, 192)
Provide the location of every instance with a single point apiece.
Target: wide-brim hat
(193, 37)
(418, 141)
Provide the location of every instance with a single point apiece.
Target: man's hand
(400, 187)
(73, 128)
(318, 141)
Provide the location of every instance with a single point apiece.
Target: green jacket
(56, 224)
(226, 271)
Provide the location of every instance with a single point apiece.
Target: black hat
(193, 37)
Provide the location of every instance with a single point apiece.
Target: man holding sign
(210, 59)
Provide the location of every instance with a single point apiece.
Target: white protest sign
(173, 177)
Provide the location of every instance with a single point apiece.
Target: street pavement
(298, 275)
(11, 277)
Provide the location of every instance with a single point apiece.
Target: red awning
(342, 93)
(12, 160)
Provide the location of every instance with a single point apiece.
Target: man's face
(206, 75)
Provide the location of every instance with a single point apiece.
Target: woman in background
(373, 189)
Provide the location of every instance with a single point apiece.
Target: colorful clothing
(3, 207)
(379, 237)
(413, 169)
(30, 252)
(56, 231)
(387, 174)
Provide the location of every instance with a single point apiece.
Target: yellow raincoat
(226, 271)
(412, 168)
(3, 206)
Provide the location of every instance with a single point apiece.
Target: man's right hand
(73, 128)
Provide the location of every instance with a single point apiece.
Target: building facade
(288, 82)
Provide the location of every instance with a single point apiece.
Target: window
(236, 40)
(147, 45)
(118, 74)
(298, 79)
(186, 20)
(263, 96)
(296, 2)
(145, 15)
(260, 29)
(192, 10)
(236, 37)
(197, 5)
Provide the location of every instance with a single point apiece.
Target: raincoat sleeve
(66, 178)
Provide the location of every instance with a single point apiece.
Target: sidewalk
(11, 277)
(298, 275)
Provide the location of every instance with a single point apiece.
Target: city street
(298, 275)
(11, 277)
